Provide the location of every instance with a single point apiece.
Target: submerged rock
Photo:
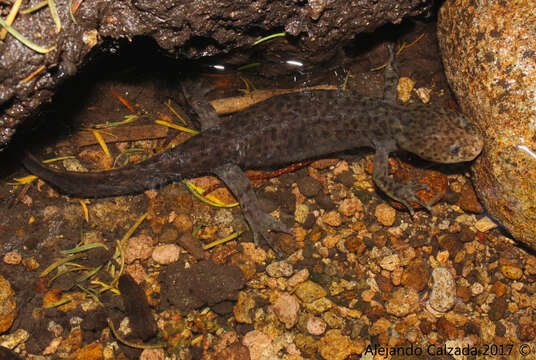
(489, 52)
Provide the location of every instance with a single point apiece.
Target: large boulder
(489, 52)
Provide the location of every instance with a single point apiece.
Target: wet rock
(298, 278)
(512, 272)
(325, 202)
(279, 269)
(183, 223)
(13, 339)
(310, 291)
(199, 284)
(468, 200)
(332, 218)
(443, 291)
(316, 326)
(497, 309)
(402, 302)
(527, 332)
(385, 214)
(390, 262)
(12, 258)
(380, 326)
(8, 306)
(169, 234)
(138, 247)
(446, 329)
(415, 275)
(349, 207)
(259, 345)
(308, 186)
(166, 254)
(499, 288)
(92, 351)
(488, 51)
(243, 307)
(192, 245)
(485, 224)
(335, 346)
(346, 178)
(301, 213)
(384, 284)
(286, 308)
(306, 344)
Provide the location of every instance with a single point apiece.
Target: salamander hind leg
(259, 221)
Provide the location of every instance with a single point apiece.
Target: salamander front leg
(259, 221)
(194, 92)
(405, 193)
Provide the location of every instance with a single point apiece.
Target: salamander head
(438, 134)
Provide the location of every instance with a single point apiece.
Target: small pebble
(308, 186)
(485, 224)
(8, 305)
(169, 234)
(349, 207)
(286, 308)
(403, 301)
(443, 291)
(325, 202)
(310, 291)
(512, 272)
(183, 223)
(301, 213)
(415, 275)
(138, 247)
(298, 278)
(259, 345)
(243, 307)
(468, 200)
(335, 346)
(279, 269)
(499, 288)
(316, 326)
(404, 88)
(385, 214)
(166, 254)
(477, 289)
(390, 262)
(497, 309)
(12, 258)
(332, 218)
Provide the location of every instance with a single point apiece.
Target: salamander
(286, 129)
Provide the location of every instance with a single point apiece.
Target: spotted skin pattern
(283, 130)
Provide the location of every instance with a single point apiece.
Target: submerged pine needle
(54, 13)
(59, 262)
(101, 141)
(11, 17)
(268, 38)
(176, 127)
(34, 8)
(84, 208)
(197, 192)
(83, 248)
(168, 104)
(17, 35)
(221, 241)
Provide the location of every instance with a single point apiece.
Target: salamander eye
(455, 149)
